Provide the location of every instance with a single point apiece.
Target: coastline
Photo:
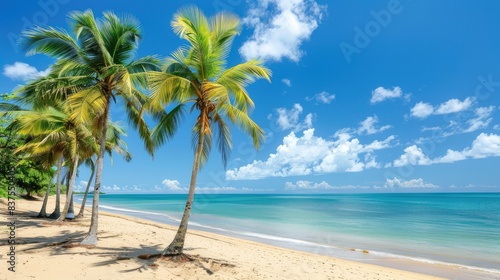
(123, 238)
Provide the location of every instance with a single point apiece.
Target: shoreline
(125, 237)
(389, 260)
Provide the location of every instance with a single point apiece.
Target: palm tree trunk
(57, 210)
(43, 211)
(82, 208)
(91, 238)
(177, 245)
(69, 193)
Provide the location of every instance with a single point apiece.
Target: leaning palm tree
(95, 66)
(46, 155)
(197, 74)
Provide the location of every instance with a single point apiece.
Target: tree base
(174, 249)
(89, 240)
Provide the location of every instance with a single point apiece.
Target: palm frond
(168, 124)
(50, 41)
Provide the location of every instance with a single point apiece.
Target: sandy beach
(43, 251)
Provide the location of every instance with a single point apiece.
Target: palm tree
(46, 155)
(113, 143)
(197, 74)
(96, 65)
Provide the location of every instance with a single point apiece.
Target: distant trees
(30, 176)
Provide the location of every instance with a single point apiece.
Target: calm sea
(453, 229)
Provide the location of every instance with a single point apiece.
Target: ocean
(455, 231)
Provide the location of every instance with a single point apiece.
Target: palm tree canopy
(94, 66)
(198, 74)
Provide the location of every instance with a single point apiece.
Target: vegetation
(66, 120)
(30, 176)
(197, 74)
(94, 67)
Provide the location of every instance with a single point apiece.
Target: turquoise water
(460, 229)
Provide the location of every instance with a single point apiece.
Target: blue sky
(366, 96)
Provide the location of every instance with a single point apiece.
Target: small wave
(138, 212)
(429, 261)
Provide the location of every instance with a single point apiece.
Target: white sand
(123, 238)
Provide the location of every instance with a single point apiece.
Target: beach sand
(42, 252)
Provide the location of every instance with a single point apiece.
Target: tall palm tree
(114, 143)
(96, 65)
(197, 74)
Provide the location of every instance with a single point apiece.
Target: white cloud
(380, 94)
(290, 119)
(307, 185)
(322, 97)
(412, 156)
(23, 71)
(309, 154)
(173, 185)
(287, 82)
(410, 184)
(496, 127)
(422, 110)
(453, 106)
(280, 27)
(481, 120)
(368, 126)
(484, 146)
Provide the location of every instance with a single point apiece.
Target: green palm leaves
(95, 66)
(197, 75)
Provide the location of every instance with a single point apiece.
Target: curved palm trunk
(57, 211)
(43, 211)
(82, 208)
(91, 238)
(69, 194)
(177, 245)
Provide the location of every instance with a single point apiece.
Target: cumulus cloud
(484, 146)
(410, 184)
(310, 154)
(280, 27)
(23, 71)
(413, 155)
(307, 185)
(380, 94)
(322, 97)
(173, 185)
(422, 110)
(287, 82)
(368, 126)
(290, 119)
(453, 106)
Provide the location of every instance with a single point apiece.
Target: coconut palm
(96, 67)
(53, 129)
(197, 74)
(113, 143)
(46, 155)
